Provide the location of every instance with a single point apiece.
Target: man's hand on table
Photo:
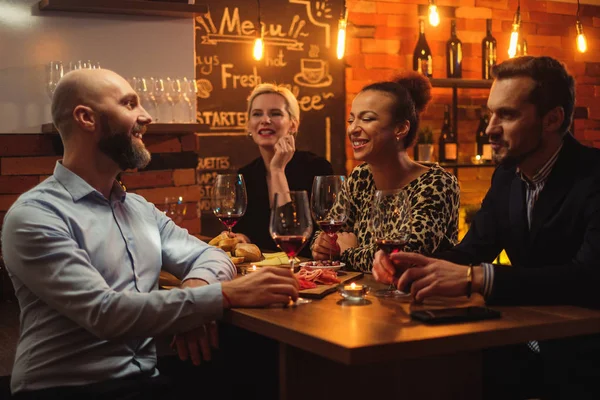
(196, 344)
(266, 286)
(425, 276)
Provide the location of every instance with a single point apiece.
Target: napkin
(273, 259)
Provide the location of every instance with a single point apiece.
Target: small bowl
(353, 293)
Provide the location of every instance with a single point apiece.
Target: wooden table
(329, 351)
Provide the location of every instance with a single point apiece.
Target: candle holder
(249, 269)
(353, 292)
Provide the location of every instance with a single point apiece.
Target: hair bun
(418, 86)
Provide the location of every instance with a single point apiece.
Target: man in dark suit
(543, 208)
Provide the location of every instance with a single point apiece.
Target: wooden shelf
(155, 8)
(153, 129)
(461, 83)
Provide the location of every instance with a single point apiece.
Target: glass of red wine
(391, 226)
(291, 225)
(229, 199)
(327, 204)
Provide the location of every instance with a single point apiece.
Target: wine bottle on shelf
(422, 60)
(488, 52)
(448, 145)
(453, 54)
(482, 140)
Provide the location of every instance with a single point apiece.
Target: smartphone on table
(453, 315)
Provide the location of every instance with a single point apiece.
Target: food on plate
(237, 260)
(228, 244)
(304, 284)
(324, 276)
(322, 263)
(249, 251)
(215, 241)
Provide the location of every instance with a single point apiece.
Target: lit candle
(251, 269)
(478, 157)
(353, 286)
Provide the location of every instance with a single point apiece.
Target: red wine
(453, 54)
(330, 227)
(291, 245)
(448, 145)
(422, 60)
(390, 246)
(488, 52)
(229, 220)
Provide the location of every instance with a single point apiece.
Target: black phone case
(453, 315)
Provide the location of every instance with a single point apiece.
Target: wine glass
(55, 72)
(229, 199)
(328, 208)
(291, 225)
(391, 227)
(175, 208)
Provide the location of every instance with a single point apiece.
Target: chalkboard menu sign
(300, 39)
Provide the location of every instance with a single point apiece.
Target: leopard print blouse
(434, 198)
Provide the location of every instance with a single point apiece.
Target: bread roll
(215, 241)
(237, 260)
(249, 251)
(228, 244)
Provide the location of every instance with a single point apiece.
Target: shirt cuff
(488, 279)
(209, 300)
(205, 275)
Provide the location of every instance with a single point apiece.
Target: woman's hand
(324, 246)
(284, 151)
(346, 240)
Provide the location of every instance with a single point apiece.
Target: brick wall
(26, 160)
(382, 36)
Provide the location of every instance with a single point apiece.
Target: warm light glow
(478, 157)
(581, 41)
(254, 268)
(514, 38)
(258, 49)
(353, 286)
(341, 38)
(434, 16)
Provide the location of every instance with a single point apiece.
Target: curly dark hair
(554, 87)
(412, 93)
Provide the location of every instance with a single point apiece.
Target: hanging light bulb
(341, 38)
(434, 16)
(581, 41)
(258, 50)
(514, 35)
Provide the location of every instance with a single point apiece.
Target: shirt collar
(542, 174)
(78, 188)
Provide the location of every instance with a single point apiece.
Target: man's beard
(510, 160)
(121, 148)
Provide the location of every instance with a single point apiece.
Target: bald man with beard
(84, 258)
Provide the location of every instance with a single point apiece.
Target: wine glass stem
(292, 264)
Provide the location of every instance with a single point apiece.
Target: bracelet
(469, 280)
(227, 300)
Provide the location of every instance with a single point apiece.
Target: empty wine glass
(391, 227)
(229, 199)
(291, 225)
(175, 208)
(328, 207)
(54, 72)
(140, 85)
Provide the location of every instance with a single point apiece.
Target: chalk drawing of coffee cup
(314, 72)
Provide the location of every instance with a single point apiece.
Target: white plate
(333, 267)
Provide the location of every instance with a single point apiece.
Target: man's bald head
(84, 87)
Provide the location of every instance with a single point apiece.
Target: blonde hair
(291, 102)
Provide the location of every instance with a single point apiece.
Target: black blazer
(300, 172)
(557, 261)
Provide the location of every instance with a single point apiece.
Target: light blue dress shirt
(85, 271)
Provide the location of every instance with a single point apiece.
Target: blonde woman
(273, 122)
